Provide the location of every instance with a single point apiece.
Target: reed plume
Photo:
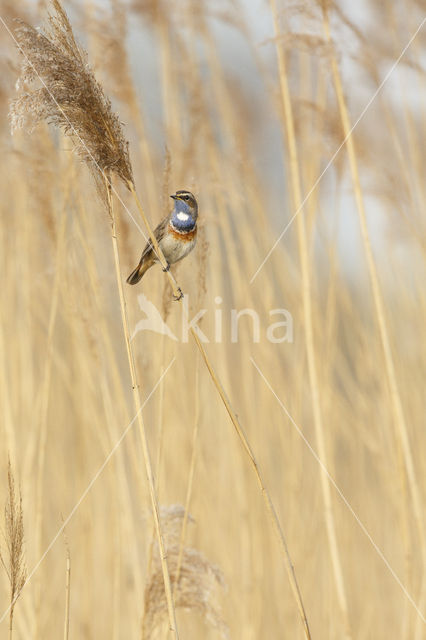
(12, 558)
(67, 95)
(198, 586)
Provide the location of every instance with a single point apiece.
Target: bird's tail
(137, 274)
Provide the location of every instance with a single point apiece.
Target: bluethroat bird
(176, 235)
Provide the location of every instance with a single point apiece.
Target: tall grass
(352, 379)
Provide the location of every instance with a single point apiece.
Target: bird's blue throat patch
(182, 221)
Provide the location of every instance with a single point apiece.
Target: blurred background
(246, 103)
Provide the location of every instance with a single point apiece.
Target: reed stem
(141, 424)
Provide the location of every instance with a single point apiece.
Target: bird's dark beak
(174, 197)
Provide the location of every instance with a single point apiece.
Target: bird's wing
(159, 232)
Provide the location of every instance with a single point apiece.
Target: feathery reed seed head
(68, 95)
(198, 584)
(13, 560)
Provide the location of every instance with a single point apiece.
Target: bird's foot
(165, 269)
(178, 297)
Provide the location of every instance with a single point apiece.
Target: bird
(176, 236)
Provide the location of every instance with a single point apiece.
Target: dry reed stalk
(116, 581)
(36, 156)
(414, 151)
(166, 307)
(67, 598)
(171, 97)
(311, 154)
(401, 430)
(27, 384)
(408, 175)
(5, 398)
(13, 559)
(67, 589)
(138, 404)
(311, 133)
(45, 394)
(309, 332)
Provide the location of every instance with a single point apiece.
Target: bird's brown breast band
(182, 236)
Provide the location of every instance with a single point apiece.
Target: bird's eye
(186, 197)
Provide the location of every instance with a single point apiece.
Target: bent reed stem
(141, 424)
(238, 428)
